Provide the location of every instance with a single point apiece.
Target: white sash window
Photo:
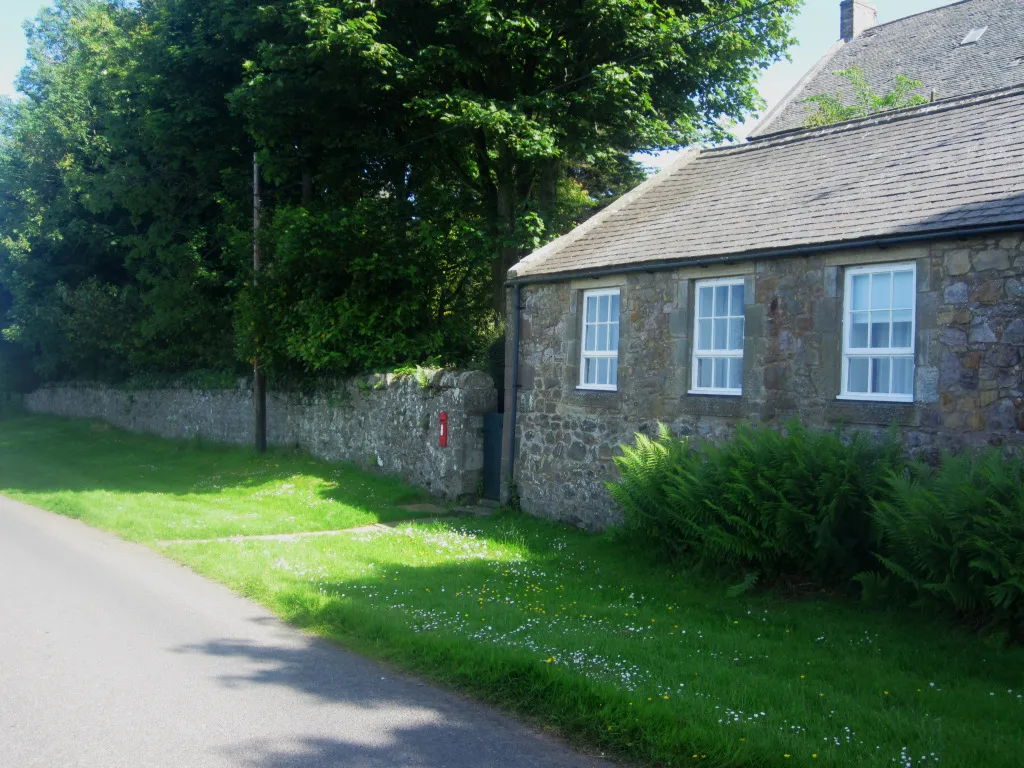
(599, 363)
(879, 325)
(718, 329)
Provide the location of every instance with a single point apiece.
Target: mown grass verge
(589, 637)
(148, 489)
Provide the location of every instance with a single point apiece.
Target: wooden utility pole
(259, 380)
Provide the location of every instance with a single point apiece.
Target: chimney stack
(855, 17)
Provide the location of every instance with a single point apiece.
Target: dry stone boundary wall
(386, 422)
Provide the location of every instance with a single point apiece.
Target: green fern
(748, 583)
(791, 504)
(640, 493)
(836, 510)
(955, 536)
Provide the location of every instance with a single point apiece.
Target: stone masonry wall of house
(381, 422)
(969, 376)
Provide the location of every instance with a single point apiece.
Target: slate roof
(932, 169)
(923, 47)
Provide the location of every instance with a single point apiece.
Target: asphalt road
(112, 656)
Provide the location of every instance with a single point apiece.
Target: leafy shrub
(766, 504)
(10, 405)
(830, 109)
(954, 535)
(17, 375)
(362, 288)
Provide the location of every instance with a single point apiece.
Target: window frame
(609, 355)
(868, 352)
(729, 354)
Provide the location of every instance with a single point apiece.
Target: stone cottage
(869, 273)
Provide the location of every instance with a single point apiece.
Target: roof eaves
(761, 129)
(563, 242)
(880, 241)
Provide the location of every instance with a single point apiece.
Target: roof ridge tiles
(879, 118)
(937, 9)
(925, 46)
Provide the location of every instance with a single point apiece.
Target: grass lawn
(577, 632)
(147, 489)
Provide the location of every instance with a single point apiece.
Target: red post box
(443, 442)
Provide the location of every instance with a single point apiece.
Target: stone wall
(969, 378)
(387, 422)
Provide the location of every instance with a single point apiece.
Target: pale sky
(12, 39)
(816, 29)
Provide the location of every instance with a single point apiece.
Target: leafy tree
(53, 237)
(831, 109)
(184, 175)
(412, 152)
(126, 177)
(16, 371)
(531, 109)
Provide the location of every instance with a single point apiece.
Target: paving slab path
(114, 657)
(372, 528)
(439, 515)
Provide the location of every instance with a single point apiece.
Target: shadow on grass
(40, 454)
(412, 609)
(596, 710)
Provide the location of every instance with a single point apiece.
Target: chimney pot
(855, 17)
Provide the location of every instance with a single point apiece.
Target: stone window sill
(905, 399)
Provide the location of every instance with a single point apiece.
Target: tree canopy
(412, 151)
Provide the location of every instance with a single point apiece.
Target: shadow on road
(384, 719)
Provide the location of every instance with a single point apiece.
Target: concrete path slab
(453, 515)
(424, 509)
(113, 657)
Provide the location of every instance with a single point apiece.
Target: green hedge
(835, 511)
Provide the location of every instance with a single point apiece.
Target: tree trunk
(307, 187)
(508, 255)
(259, 381)
(547, 193)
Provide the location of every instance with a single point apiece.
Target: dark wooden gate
(494, 429)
